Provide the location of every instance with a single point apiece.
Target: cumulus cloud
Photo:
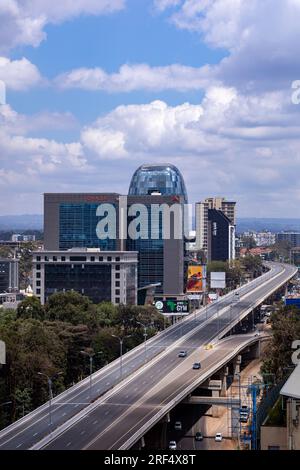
(137, 77)
(260, 39)
(19, 74)
(23, 21)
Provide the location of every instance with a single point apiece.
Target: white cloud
(23, 21)
(137, 77)
(19, 74)
(162, 5)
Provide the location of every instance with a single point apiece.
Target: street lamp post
(145, 336)
(50, 381)
(121, 339)
(91, 358)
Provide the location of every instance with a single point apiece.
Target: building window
(117, 300)
(38, 283)
(100, 258)
(38, 275)
(117, 283)
(46, 258)
(63, 258)
(38, 267)
(117, 275)
(54, 258)
(118, 258)
(38, 291)
(117, 267)
(92, 258)
(117, 292)
(109, 258)
(38, 258)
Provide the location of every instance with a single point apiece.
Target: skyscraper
(204, 219)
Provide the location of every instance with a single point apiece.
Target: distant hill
(21, 222)
(273, 225)
(35, 222)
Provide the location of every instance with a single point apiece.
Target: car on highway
(178, 426)
(196, 365)
(198, 436)
(218, 437)
(172, 445)
(244, 417)
(182, 354)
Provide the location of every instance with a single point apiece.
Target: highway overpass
(127, 409)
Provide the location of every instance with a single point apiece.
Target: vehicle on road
(244, 417)
(172, 445)
(182, 354)
(218, 437)
(198, 436)
(196, 365)
(178, 426)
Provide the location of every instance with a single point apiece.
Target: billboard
(196, 280)
(218, 280)
(173, 307)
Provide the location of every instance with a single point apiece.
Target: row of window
(78, 258)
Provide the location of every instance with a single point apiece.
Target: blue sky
(96, 87)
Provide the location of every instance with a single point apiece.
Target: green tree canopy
(31, 308)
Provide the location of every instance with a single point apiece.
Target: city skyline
(96, 86)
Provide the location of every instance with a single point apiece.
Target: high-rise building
(109, 276)
(221, 240)
(204, 228)
(9, 275)
(293, 238)
(72, 220)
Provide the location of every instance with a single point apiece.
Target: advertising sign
(196, 278)
(173, 307)
(218, 280)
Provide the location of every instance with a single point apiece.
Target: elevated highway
(123, 410)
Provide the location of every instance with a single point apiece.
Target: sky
(95, 88)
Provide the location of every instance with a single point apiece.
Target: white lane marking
(106, 413)
(35, 434)
(108, 383)
(69, 443)
(82, 432)
(64, 414)
(19, 445)
(95, 422)
(98, 390)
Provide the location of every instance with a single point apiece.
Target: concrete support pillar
(237, 365)
(215, 408)
(141, 443)
(224, 375)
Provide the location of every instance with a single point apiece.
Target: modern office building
(161, 249)
(100, 275)
(205, 237)
(293, 238)
(9, 275)
(164, 179)
(221, 239)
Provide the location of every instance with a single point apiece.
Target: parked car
(172, 445)
(218, 437)
(182, 354)
(198, 436)
(244, 417)
(178, 426)
(196, 365)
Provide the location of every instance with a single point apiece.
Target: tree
(31, 308)
(252, 264)
(71, 307)
(285, 328)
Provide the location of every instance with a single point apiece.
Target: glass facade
(94, 281)
(150, 252)
(165, 179)
(4, 276)
(77, 227)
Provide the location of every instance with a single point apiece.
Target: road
(120, 398)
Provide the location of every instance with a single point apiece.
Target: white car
(218, 437)
(172, 445)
